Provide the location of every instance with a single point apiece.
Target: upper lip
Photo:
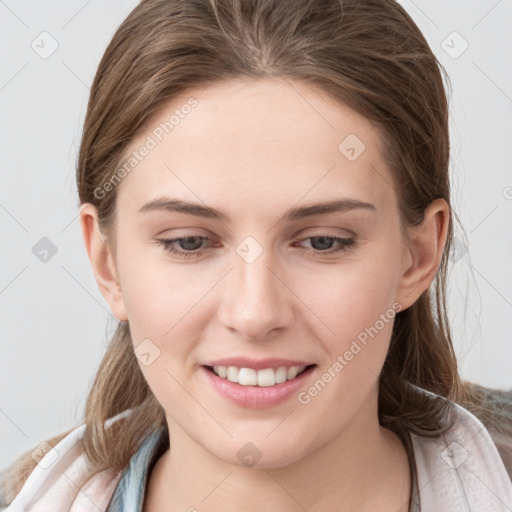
(244, 362)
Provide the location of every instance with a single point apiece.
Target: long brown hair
(369, 55)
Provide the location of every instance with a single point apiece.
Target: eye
(190, 246)
(323, 240)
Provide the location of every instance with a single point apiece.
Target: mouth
(268, 377)
(258, 390)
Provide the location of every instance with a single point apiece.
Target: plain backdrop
(54, 322)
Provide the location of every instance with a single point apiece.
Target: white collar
(462, 470)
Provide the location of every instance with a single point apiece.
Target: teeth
(250, 377)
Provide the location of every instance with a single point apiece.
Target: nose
(257, 302)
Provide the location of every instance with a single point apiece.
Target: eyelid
(341, 245)
(186, 232)
(327, 229)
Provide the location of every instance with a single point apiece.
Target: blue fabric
(131, 488)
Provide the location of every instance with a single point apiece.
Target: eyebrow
(293, 214)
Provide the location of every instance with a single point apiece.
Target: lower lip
(257, 397)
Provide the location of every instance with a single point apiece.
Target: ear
(102, 261)
(424, 254)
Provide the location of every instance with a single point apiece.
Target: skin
(255, 149)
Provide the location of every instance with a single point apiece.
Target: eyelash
(346, 245)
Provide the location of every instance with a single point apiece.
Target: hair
(368, 55)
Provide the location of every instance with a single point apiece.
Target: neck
(350, 472)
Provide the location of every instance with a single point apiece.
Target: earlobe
(424, 253)
(102, 261)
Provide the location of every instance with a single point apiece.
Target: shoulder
(51, 483)
(497, 418)
(464, 464)
(42, 464)
(14, 476)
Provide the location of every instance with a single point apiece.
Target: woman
(265, 203)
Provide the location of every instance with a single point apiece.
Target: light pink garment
(52, 484)
(457, 472)
(462, 471)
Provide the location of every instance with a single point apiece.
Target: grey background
(54, 321)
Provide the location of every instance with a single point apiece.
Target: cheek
(351, 295)
(347, 297)
(154, 291)
(355, 305)
(163, 305)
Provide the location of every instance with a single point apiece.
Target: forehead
(255, 143)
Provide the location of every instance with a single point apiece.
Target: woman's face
(266, 280)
